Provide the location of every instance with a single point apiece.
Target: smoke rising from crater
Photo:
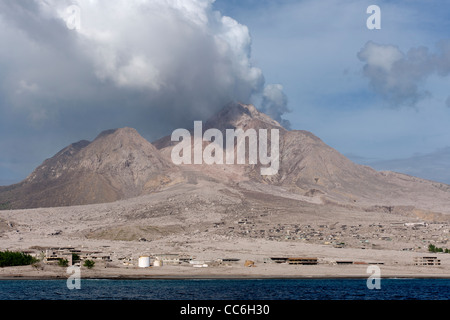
(168, 62)
(154, 65)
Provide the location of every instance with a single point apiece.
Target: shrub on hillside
(9, 259)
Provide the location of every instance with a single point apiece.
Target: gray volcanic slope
(120, 164)
(311, 168)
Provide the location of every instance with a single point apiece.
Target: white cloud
(154, 65)
(380, 56)
(24, 87)
(180, 56)
(399, 77)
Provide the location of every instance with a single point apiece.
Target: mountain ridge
(117, 164)
(120, 164)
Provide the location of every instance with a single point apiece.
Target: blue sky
(380, 97)
(311, 47)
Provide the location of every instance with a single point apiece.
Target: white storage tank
(144, 262)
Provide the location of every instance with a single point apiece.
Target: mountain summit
(243, 116)
(233, 116)
(118, 164)
(311, 168)
(121, 164)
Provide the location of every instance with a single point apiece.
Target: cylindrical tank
(144, 262)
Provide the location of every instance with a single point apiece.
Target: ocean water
(272, 289)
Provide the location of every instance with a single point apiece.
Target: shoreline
(402, 277)
(261, 272)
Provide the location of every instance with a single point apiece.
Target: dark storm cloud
(151, 65)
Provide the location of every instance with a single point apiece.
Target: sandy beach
(261, 272)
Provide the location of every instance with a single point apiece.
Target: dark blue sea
(273, 289)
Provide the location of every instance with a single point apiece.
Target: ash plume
(150, 65)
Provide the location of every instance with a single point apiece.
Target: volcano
(120, 164)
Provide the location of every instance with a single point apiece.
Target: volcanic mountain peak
(234, 115)
(117, 164)
(119, 133)
(120, 164)
(117, 142)
(243, 116)
(110, 149)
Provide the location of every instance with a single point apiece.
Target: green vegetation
(5, 205)
(9, 259)
(63, 262)
(89, 264)
(75, 257)
(433, 248)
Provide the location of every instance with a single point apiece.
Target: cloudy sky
(71, 69)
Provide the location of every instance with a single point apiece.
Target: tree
(89, 264)
(433, 248)
(75, 257)
(63, 262)
(9, 258)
